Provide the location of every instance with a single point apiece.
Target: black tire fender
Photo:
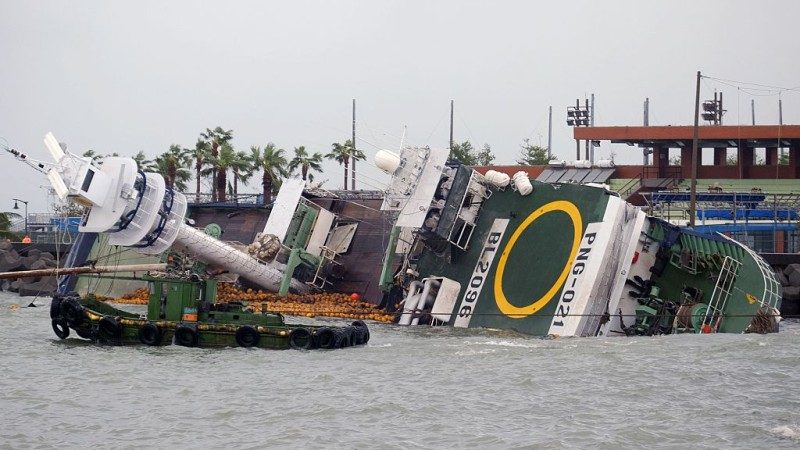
(325, 338)
(55, 306)
(300, 339)
(72, 311)
(247, 336)
(186, 336)
(109, 328)
(150, 334)
(60, 328)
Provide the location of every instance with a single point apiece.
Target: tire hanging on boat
(150, 334)
(60, 328)
(55, 306)
(186, 336)
(361, 332)
(247, 336)
(72, 311)
(300, 339)
(325, 338)
(109, 328)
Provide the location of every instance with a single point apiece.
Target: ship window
(87, 181)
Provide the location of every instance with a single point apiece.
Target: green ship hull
(564, 259)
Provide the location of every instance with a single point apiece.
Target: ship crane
(137, 209)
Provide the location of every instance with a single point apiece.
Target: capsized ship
(501, 252)
(137, 209)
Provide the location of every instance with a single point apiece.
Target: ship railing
(723, 289)
(633, 185)
(772, 287)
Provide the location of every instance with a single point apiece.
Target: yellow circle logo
(519, 312)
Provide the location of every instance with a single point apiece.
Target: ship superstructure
(562, 259)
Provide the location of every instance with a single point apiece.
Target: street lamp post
(16, 206)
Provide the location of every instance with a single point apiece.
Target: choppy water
(409, 388)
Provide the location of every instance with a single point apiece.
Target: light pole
(16, 206)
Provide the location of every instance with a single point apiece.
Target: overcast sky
(128, 76)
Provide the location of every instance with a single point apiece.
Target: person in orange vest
(26, 240)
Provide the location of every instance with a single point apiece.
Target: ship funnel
(387, 161)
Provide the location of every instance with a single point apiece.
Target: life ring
(150, 334)
(300, 339)
(109, 328)
(325, 338)
(247, 336)
(72, 311)
(60, 328)
(186, 336)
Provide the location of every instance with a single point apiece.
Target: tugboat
(137, 209)
(493, 251)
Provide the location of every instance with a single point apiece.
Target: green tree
(201, 155)
(305, 162)
(141, 160)
(485, 156)
(356, 155)
(242, 168)
(95, 157)
(215, 139)
(225, 159)
(343, 153)
(272, 163)
(5, 225)
(532, 155)
(464, 153)
(174, 165)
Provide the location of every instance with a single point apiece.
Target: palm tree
(272, 163)
(356, 155)
(225, 159)
(201, 153)
(305, 162)
(242, 168)
(215, 139)
(95, 157)
(5, 225)
(341, 154)
(173, 166)
(141, 160)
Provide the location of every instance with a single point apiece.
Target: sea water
(408, 388)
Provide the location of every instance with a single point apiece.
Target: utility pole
(591, 123)
(780, 121)
(586, 151)
(646, 122)
(695, 139)
(451, 125)
(353, 165)
(753, 110)
(549, 132)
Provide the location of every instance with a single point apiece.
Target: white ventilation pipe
(423, 299)
(207, 249)
(410, 303)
